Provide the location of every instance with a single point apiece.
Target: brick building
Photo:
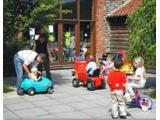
(98, 25)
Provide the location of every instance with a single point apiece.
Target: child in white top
(138, 80)
(35, 74)
(91, 66)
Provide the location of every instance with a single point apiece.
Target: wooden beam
(94, 2)
(60, 41)
(77, 29)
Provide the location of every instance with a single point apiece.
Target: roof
(126, 9)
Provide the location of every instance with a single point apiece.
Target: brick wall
(99, 27)
(102, 29)
(109, 7)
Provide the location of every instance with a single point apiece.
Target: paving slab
(102, 102)
(58, 95)
(46, 103)
(45, 117)
(98, 112)
(92, 97)
(8, 115)
(74, 115)
(37, 97)
(20, 106)
(70, 100)
(58, 108)
(83, 105)
(66, 102)
(13, 100)
(29, 113)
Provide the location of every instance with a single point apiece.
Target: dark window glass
(85, 29)
(69, 9)
(53, 43)
(86, 9)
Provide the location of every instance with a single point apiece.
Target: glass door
(53, 44)
(62, 43)
(68, 50)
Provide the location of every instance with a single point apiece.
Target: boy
(92, 68)
(116, 81)
(22, 60)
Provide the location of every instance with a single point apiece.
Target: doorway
(63, 46)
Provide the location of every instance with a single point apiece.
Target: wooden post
(77, 28)
(60, 41)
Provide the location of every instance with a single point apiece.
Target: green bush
(142, 32)
(7, 89)
(153, 94)
(10, 48)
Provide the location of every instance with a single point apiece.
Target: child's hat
(117, 57)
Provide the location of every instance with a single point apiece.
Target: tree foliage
(18, 16)
(142, 32)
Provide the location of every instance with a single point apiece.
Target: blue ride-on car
(41, 86)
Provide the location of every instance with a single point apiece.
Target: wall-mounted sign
(31, 31)
(50, 28)
(36, 37)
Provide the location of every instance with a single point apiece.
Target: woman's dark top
(41, 47)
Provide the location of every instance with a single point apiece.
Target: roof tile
(127, 8)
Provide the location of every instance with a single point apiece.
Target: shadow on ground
(58, 78)
(150, 83)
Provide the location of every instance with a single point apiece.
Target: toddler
(116, 81)
(35, 74)
(137, 80)
(92, 68)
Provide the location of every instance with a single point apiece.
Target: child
(138, 80)
(116, 81)
(35, 74)
(105, 64)
(92, 69)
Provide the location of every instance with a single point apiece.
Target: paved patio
(66, 103)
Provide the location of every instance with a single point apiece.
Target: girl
(138, 80)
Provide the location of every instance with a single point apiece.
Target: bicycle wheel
(146, 103)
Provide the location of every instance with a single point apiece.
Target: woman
(41, 46)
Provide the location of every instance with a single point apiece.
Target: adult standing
(23, 60)
(41, 46)
(71, 47)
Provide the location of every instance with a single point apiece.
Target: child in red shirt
(116, 81)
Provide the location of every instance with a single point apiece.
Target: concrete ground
(67, 103)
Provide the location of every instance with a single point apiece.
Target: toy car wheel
(50, 90)
(84, 83)
(31, 91)
(75, 82)
(91, 86)
(103, 85)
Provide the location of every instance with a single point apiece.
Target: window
(69, 9)
(86, 9)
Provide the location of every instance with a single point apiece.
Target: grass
(7, 89)
(152, 94)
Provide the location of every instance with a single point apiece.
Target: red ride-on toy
(81, 76)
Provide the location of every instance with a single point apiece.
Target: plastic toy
(81, 77)
(127, 68)
(32, 87)
(143, 102)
